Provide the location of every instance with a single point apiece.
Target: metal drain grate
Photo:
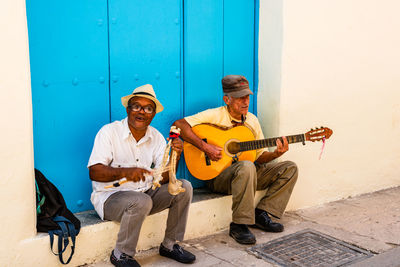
(309, 248)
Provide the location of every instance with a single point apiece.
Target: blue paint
(256, 40)
(239, 40)
(203, 55)
(181, 170)
(85, 55)
(145, 47)
(68, 54)
(219, 40)
(203, 58)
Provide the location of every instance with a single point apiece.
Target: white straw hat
(145, 91)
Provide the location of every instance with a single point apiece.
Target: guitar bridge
(208, 161)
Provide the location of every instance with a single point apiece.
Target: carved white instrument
(174, 185)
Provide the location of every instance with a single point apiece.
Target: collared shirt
(116, 147)
(221, 117)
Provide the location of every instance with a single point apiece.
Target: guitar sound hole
(233, 147)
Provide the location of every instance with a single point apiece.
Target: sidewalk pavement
(370, 222)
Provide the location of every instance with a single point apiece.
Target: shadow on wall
(270, 65)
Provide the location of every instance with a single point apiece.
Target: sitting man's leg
(240, 180)
(130, 208)
(177, 218)
(279, 179)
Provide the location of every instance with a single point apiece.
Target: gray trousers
(130, 208)
(243, 178)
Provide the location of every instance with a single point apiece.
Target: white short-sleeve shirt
(116, 147)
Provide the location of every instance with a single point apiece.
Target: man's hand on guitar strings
(281, 148)
(213, 152)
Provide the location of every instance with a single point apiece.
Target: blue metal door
(145, 47)
(86, 54)
(70, 94)
(218, 40)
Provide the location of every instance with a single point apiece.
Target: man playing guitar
(243, 178)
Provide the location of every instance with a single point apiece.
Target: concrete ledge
(90, 217)
(209, 213)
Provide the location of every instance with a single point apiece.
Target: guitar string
(257, 144)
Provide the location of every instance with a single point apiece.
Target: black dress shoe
(264, 222)
(177, 253)
(123, 261)
(241, 233)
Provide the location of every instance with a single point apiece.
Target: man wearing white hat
(129, 149)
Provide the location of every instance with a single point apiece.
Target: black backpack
(54, 217)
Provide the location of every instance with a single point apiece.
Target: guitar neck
(270, 142)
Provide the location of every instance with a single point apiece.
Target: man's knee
(188, 187)
(246, 169)
(141, 204)
(246, 165)
(245, 175)
(292, 169)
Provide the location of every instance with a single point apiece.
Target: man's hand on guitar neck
(212, 151)
(279, 151)
(281, 148)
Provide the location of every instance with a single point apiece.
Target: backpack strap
(67, 229)
(40, 199)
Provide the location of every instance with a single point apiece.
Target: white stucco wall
(16, 147)
(335, 64)
(331, 63)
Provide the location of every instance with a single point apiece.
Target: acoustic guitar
(237, 144)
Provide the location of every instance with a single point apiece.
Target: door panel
(69, 73)
(203, 60)
(239, 40)
(145, 47)
(218, 40)
(203, 55)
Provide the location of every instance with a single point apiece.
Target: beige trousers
(130, 208)
(243, 178)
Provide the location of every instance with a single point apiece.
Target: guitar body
(196, 159)
(237, 144)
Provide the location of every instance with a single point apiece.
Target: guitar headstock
(318, 134)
